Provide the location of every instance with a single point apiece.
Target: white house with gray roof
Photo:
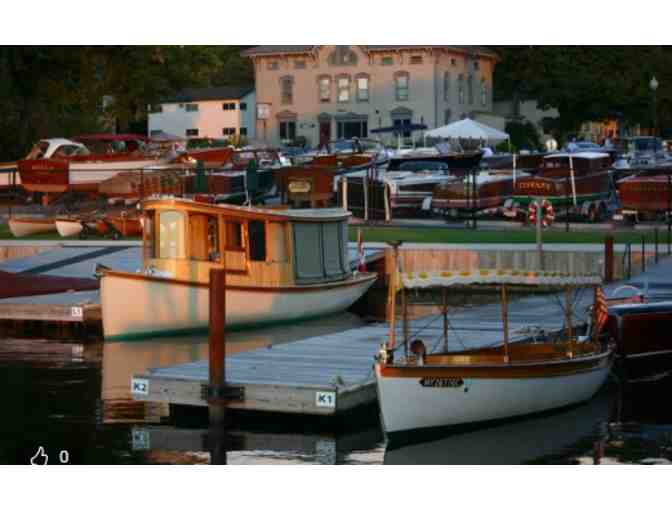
(332, 92)
(215, 112)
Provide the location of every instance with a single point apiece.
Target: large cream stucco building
(332, 92)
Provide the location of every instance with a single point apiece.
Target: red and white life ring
(547, 213)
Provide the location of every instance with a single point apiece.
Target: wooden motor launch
(421, 391)
(281, 266)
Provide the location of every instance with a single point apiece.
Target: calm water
(74, 401)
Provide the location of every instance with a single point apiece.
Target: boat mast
(505, 321)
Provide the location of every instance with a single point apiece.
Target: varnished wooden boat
(22, 227)
(647, 194)
(642, 335)
(492, 189)
(120, 225)
(425, 392)
(281, 265)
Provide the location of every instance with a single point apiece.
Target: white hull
(134, 307)
(69, 228)
(26, 227)
(406, 405)
(95, 172)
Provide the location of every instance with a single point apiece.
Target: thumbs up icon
(40, 458)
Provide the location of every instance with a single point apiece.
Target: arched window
(446, 86)
(470, 88)
(362, 86)
(343, 88)
(484, 92)
(460, 89)
(286, 90)
(324, 88)
(401, 85)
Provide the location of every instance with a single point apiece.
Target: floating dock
(332, 375)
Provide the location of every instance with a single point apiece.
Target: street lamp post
(653, 84)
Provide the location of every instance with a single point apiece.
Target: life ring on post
(547, 213)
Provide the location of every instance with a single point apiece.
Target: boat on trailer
(421, 393)
(281, 265)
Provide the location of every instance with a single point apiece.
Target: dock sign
(325, 399)
(139, 386)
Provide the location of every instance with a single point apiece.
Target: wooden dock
(332, 375)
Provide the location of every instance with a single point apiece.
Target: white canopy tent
(468, 128)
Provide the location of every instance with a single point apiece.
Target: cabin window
(234, 236)
(204, 238)
(256, 231)
(171, 235)
(320, 252)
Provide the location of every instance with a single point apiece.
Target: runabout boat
(579, 181)
(281, 266)
(22, 227)
(60, 165)
(421, 391)
(645, 196)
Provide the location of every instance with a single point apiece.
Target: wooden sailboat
(425, 392)
(281, 265)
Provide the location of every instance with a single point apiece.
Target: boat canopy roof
(307, 215)
(423, 280)
(579, 155)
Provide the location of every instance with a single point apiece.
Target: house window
(347, 129)
(484, 93)
(446, 86)
(155, 108)
(229, 131)
(288, 130)
(300, 64)
(286, 90)
(325, 89)
(470, 88)
(416, 59)
(447, 115)
(192, 132)
(273, 66)
(387, 61)
(228, 106)
(401, 86)
(342, 56)
(362, 89)
(453, 62)
(477, 65)
(400, 125)
(191, 107)
(460, 89)
(155, 132)
(243, 107)
(343, 89)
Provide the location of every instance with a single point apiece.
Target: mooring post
(217, 347)
(655, 243)
(643, 253)
(609, 259)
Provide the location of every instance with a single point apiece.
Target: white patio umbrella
(468, 128)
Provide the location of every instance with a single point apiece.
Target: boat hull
(137, 306)
(22, 227)
(69, 228)
(478, 400)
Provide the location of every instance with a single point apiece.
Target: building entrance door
(325, 133)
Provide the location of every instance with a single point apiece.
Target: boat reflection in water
(531, 440)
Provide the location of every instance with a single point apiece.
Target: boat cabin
(184, 239)
(582, 162)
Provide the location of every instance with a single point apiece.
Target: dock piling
(609, 259)
(217, 347)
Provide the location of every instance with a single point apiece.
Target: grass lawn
(437, 235)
